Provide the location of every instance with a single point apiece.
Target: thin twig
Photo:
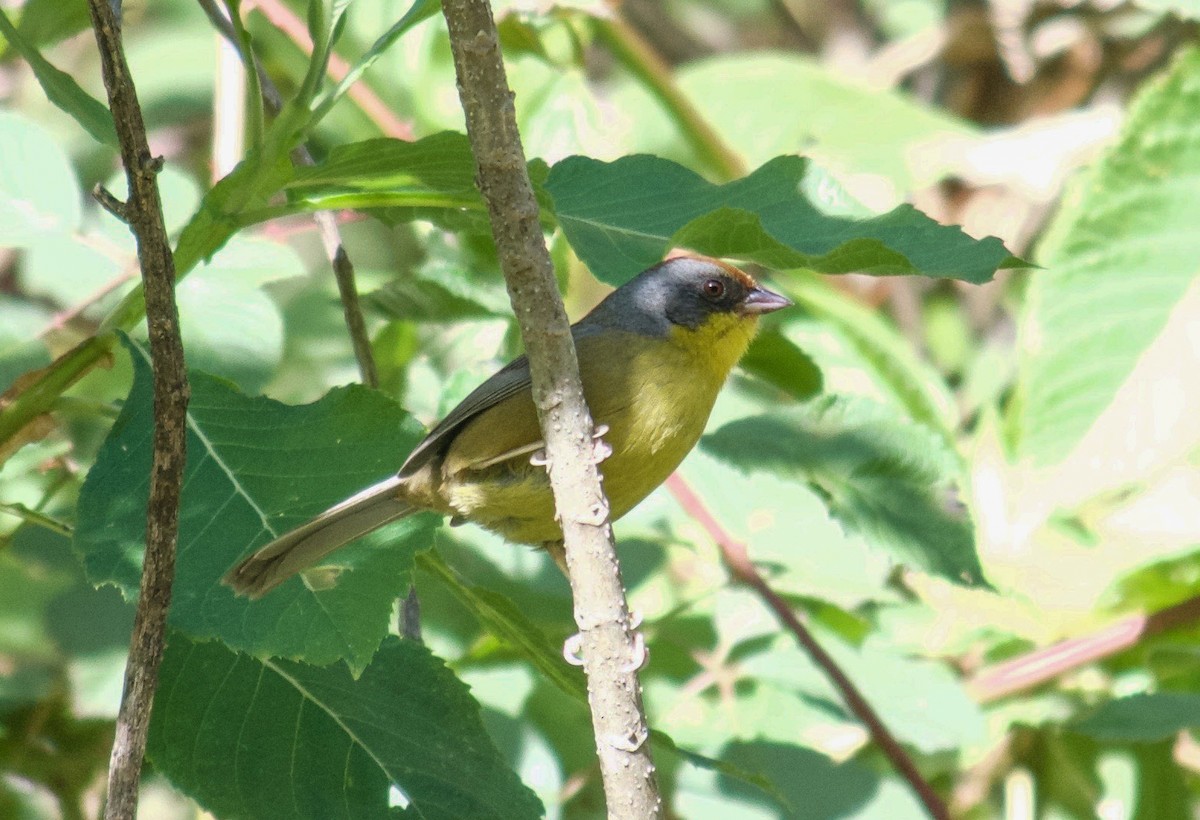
(738, 561)
(143, 212)
(1030, 670)
(607, 643)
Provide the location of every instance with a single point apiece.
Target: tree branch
(607, 644)
(1041, 665)
(738, 561)
(143, 213)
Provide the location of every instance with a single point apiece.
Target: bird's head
(703, 304)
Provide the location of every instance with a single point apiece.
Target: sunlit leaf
(882, 476)
(1119, 257)
(621, 217)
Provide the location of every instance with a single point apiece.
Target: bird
(653, 355)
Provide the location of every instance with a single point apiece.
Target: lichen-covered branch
(607, 643)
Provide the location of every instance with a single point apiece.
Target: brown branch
(607, 645)
(143, 212)
(1042, 665)
(738, 561)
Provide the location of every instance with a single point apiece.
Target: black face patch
(692, 302)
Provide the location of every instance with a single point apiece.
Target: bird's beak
(760, 300)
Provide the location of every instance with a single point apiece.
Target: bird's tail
(306, 545)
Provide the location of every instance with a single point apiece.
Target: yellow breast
(654, 396)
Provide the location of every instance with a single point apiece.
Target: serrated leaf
(832, 116)
(881, 475)
(621, 217)
(1119, 257)
(255, 469)
(279, 739)
(1142, 718)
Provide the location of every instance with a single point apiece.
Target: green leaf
(249, 185)
(504, 619)
(256, 468)
(45, 22)
(433, 174)
(278, 739)
(1119, 257)
(812, 785)
(621, 217)
(915, 385)
(419, 11)
(39, 194)
(62, 90)
(1142, 718)
(923, 702)
(827, 563)
(881, 475)
(777, 360)
(231, 327)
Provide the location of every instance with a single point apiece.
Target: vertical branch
(143, 213)
(607, 645)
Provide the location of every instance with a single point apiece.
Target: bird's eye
(714, 288)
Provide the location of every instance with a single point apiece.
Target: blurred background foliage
(884, 442)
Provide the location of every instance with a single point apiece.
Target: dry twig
(738, 561)
(143, 212)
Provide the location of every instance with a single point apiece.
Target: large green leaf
(1120, 255)
(440, 165)
(621, 217)
(255, 469)
(881, 475)
(279, 739)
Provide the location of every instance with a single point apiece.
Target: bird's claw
(571, 649)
